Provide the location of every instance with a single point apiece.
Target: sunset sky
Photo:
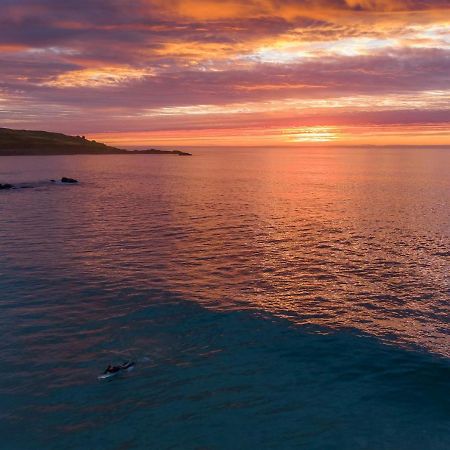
(231, 72)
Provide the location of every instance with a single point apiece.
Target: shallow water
(272, 299)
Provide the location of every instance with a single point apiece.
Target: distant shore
(44, 143)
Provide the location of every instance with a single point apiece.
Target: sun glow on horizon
(275, 136)
(312, 134)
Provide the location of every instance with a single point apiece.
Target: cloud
(105, 60)
(395, 5)
(93, 78)
(394, 72)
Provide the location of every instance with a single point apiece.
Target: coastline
(45, 143)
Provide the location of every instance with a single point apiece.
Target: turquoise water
(271, 299)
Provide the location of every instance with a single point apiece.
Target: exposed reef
(68, 180)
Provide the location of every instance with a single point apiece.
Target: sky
(228, 73)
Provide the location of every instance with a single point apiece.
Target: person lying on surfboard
(114, 369)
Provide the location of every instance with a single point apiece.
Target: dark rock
(6, 186)
(68, 180)
(52, 181)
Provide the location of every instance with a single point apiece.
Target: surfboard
(105, 376)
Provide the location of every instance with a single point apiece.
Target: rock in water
(6, 186)
(68, 180)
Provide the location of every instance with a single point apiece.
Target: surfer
(114, 369)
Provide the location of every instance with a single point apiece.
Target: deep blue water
(271, 299)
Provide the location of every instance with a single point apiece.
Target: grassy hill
(26, 142)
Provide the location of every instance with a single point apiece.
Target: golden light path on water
(339, 238)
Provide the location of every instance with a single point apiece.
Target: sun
(312, 134)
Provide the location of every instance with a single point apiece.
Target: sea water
(271, 298)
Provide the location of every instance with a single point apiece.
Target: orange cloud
(211, 10)
(97, 77)
(287, 9)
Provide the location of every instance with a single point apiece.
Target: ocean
(271, 299)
